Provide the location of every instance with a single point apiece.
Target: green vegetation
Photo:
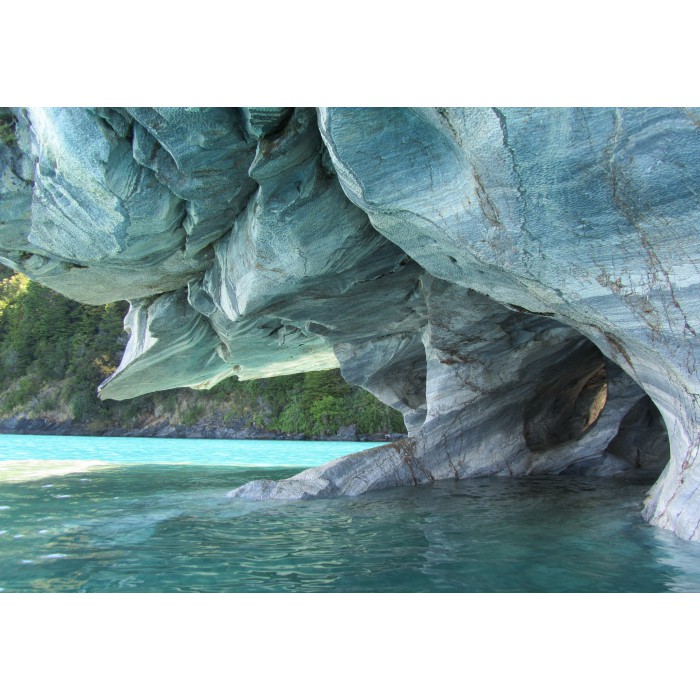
(54, 352)
(7, 128)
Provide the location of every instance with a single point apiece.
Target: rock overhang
(449, 260)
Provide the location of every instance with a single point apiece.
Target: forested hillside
(54, 352)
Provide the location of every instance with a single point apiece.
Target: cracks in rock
(352, 284)
(664, 514)
(428, 159)
(691, 455)
(406, 449)
(449, 460)
(523, 310)
(656, 264)
(619, 349)
(355, 477)
(660, 514)
(519, 187)
(609, 152)
(636, 214)
(485, 204)
(444, 115)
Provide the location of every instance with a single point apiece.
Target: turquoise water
(138, 514)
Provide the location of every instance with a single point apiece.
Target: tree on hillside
(47, 340)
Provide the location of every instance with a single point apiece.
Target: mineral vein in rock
(521, 284)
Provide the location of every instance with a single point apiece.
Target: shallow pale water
(130, 514)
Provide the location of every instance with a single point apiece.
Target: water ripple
(153, 526)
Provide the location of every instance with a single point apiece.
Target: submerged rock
(522, 284)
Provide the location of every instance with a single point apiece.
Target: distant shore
(22, 425)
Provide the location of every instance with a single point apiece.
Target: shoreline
(22, 425)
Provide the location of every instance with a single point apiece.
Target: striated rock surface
(523, 284)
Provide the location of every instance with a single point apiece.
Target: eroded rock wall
(515, 281)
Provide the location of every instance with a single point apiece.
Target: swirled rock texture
(522, 284)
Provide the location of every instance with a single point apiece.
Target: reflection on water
(160, 526)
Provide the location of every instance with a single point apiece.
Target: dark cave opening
(566, 408)
(642, 439)
(587, 388)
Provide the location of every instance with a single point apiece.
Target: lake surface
(140, 514)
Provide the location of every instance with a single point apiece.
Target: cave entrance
(568, 407)
(589, 413)
(642, 439)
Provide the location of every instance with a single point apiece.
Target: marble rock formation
(522, 284)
